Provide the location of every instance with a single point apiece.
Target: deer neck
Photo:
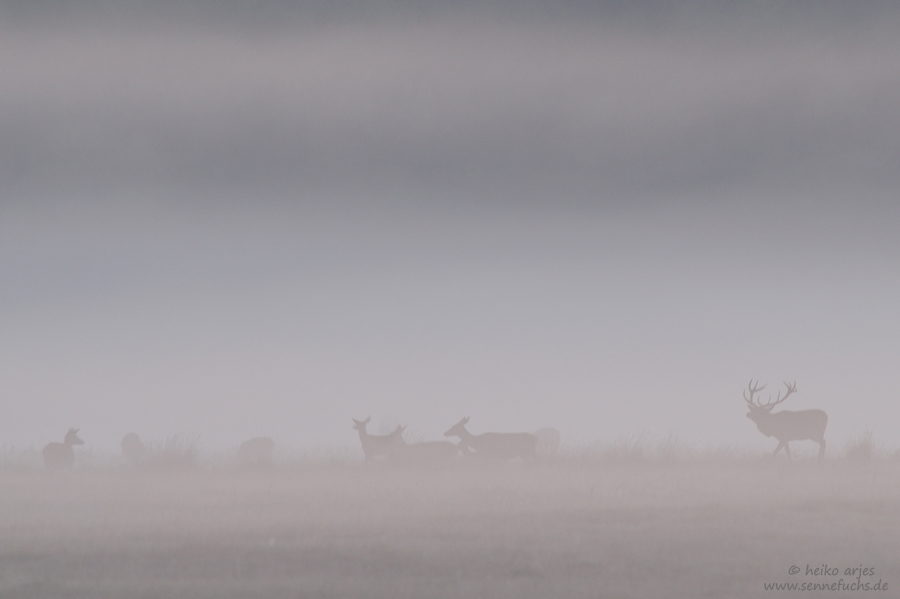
(764, 420)
(465, 435)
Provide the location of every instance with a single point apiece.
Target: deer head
(761, 410)
(360, 425)
(457, 428)
(72, 438)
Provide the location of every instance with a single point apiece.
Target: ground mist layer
(564, 528)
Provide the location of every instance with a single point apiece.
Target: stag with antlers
(786, 425)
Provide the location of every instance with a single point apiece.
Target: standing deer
(376, 445)
(785, 425)
(504, 446)
(61, 455)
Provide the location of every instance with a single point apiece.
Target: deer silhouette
(424, 453)
(504, 446)
(377, 445)
(133, 448)
(548, 441)
(786, 425)
(58, 456)
(257, 452)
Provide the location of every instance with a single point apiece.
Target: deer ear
(466, 420)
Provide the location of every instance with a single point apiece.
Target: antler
(753, 389)
(791, 388)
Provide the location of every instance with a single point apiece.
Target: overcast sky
(606, 217)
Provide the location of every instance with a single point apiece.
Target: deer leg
(822, 449)
(777, 449)
(787, 450)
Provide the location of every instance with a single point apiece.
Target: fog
(229, 321)
(222, 221)
(607, 219)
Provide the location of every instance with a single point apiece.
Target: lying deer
(786, 426)
(424, 453)
(257, 452)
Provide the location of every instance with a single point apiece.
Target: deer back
(58, 456)
(788, 425)
(505, 445)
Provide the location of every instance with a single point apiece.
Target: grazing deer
(133, 448)
(257, 451)
(785, 425)
(504, 446)
(61, 455)
(377, 445)
(548, 441)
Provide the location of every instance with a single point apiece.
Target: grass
(179, 451)
(176, 452)
(863, 448)
(623, 520)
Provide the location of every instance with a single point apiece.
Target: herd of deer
(785, 426)
(504, 446)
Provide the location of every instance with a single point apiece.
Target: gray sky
(606, 219)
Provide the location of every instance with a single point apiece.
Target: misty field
(572, 527)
